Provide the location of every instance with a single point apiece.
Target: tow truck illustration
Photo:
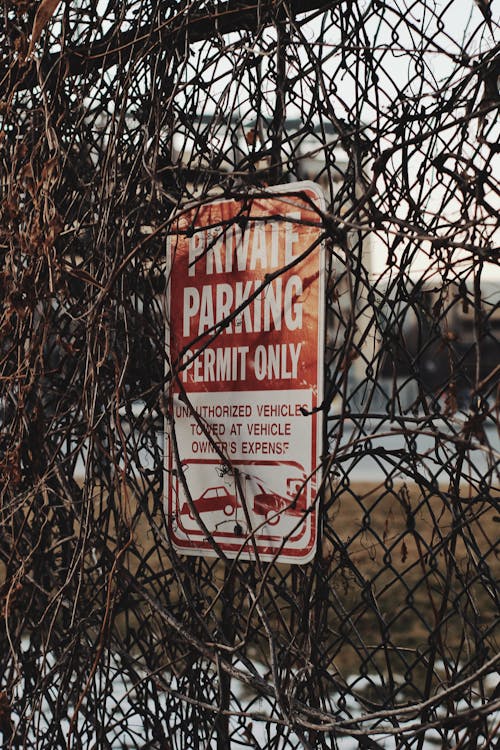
(262, 499)
(271, 505)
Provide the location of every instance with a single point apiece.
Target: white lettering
(291, 237)
(206, 319)
(292, 308)
(243, 291)
(241, 240)
(277, 361)
(275, 234)
(257, 245)
(223, 303)
(191, 307)
(295, 354)
(214, 252)
(227, 363)
(278, 302)
(260, 361)
(272, 305)
(259, 249)
(196, 248)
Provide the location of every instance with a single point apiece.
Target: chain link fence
(115, 117)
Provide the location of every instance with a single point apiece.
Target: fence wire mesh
(118, 115)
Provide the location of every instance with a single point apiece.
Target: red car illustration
(213, 499)
(270, 504)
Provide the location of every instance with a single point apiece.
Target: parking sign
(245, 332)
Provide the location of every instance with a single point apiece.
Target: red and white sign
(245, 329)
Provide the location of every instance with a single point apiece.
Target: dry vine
(115, 116)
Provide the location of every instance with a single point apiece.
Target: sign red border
(245, 338)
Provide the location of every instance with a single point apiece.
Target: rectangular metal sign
(245, 336)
